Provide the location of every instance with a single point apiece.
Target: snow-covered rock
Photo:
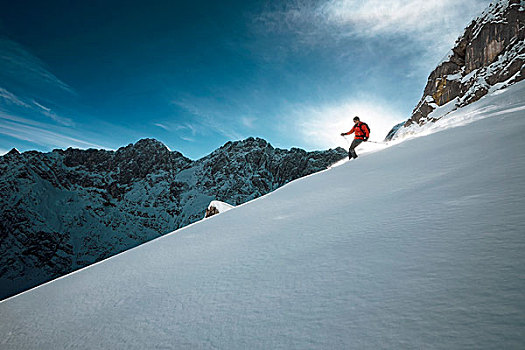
(490, 55)
(63, 210)
(217, 207)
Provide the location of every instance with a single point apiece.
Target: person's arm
(348, 133)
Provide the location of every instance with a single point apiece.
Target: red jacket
(361, 131)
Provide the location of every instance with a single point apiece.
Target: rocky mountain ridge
(489, 56)
(62, 210)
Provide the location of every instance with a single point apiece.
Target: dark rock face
(244, 170)
(491, 51)
(66, 209)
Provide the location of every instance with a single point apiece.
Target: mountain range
(66, 209)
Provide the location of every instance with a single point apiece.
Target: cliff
(489, 56)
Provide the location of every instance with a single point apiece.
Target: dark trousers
(351, 151)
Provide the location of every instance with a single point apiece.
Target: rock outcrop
(217, 207)
(62, 210)
(210, 211)
(490, 55)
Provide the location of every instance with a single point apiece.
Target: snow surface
(418, 246)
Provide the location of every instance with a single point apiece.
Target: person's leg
(351, 151)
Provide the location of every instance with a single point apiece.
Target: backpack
(360, 127)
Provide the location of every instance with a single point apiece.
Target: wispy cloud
(162, 126)
(188, 127)
(185, 138)
(191, 127)
(27, 82)
(43, 137)
(434, 24)
(208, 118)
(52, 115)
(20, 65)
(41, 107)
(377, 17)
(248, 122)
(42, 134)
(10, 98)
(33, 100)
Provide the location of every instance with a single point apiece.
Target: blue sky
(197, 74)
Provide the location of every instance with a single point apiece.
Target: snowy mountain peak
(149, 144)
(146, 148)
(13, 152)
(247, 144)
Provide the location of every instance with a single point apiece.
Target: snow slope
(418, 246)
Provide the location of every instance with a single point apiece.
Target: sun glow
(321, 127)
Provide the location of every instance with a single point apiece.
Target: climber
(362, 132)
